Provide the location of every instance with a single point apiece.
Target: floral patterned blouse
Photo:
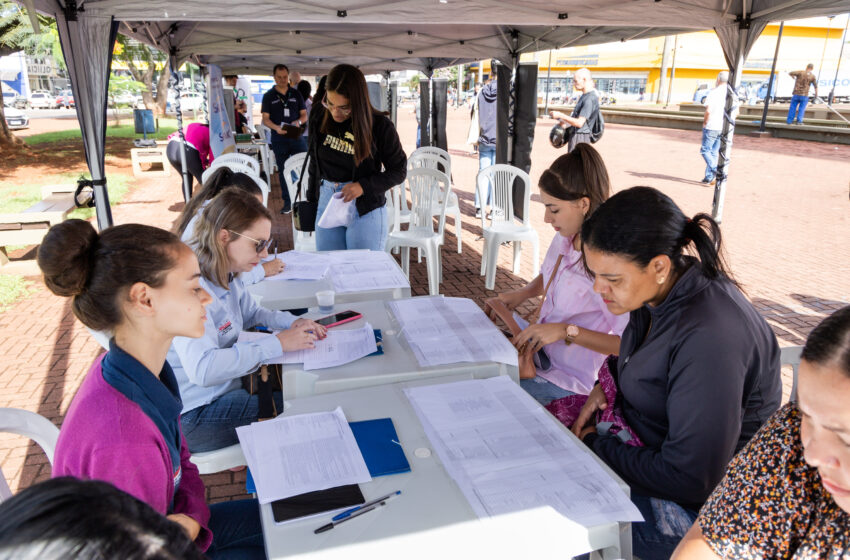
(772, 505)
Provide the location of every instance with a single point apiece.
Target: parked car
(9, 98)
(126, 99)
(41, 100)
(60, 99)
(15, 118)
(189, 101)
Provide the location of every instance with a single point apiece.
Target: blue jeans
(664, 525)
(213, 426)
(710, 150)
(486, 158)
(283, 148)
(237, 532)
(542, 390)
(365, 232)
(797, 109)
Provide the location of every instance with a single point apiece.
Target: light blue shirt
(255, 275)
(210, 366)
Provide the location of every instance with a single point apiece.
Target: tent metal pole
(728, 131)
(512, 99)
(187, 180)
(548, 78)
(838, 64)
(771, 79)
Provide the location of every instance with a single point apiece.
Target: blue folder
(377, 442)
(380, 447)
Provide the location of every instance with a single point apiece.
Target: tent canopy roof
(378, 35)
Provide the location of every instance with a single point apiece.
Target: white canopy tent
(379, 36)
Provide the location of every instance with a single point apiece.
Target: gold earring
(661, 280)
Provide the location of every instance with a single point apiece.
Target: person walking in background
(804, 80)
(283, 105)
(586, 112)
(355, 150)
(304, 88)
(712, 126)
(487, 111)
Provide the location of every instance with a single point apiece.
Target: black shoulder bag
(304, 211)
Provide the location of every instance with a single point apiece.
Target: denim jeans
(283, 148)
(213, 426)
(797, 109)
(486, 158)
(710, 150)
(236, 529)
(365, 232)
(664, 525)
(542, 390)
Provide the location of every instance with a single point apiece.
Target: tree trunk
(6, 136)
(162, 88)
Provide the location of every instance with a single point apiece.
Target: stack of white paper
(366, 270)
(450, 330)
(339, 348)
(506, 454)
(293, 455)
(302, 266)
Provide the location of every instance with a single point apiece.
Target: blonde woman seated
(562, 352)
(787, 493)
(231, 238)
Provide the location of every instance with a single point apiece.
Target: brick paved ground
(786, 228)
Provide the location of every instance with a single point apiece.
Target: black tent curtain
(525, 119)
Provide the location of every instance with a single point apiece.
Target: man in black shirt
(586, 111)
(283, 105)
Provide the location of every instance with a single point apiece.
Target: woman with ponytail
(562, 352)
(698, 370)
(123, 426)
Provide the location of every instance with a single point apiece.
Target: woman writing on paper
(575, 330)
(224, 178)
(698, 369)
(232, 235)
(787, 494)
(356, 152)
(123, 425)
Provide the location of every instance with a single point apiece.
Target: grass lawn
(12, 288)
(125, 130)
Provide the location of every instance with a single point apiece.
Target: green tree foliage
(144, 63)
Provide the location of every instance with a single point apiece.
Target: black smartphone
(339, 318)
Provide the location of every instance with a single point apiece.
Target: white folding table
(397, 363)
(431, 517)
(299, 294)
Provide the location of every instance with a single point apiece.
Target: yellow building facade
(631, 71)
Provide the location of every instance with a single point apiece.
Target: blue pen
(348, 512)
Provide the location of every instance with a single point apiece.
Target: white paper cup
(326, 300)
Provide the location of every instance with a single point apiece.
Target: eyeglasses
(345, 110)
(262, 244)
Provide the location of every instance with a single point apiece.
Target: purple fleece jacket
(106, 436)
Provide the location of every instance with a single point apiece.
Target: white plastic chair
(428, 188)
(303, 240)
(219, 460)
(240, 168)
(503, 226)
(235, 166)
(790, 356)
(244, 159)
(433, 158)
(31, 425)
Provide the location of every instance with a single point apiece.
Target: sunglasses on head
(262, 244)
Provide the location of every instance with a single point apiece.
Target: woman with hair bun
(698, 369)
(141, 284)
(562, 353)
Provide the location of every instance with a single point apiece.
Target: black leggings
(193, 161)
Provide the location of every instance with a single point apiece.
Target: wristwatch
(572, 332)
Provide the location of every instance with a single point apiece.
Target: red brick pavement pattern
(787, 247)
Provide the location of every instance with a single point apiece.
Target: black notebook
(314, 503)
